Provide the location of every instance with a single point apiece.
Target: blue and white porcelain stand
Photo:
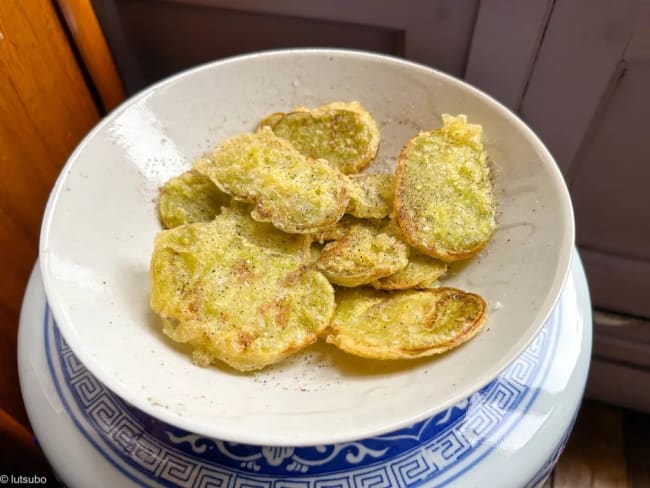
(508, 434)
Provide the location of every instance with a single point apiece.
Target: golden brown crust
(471, 191)
(407, 324)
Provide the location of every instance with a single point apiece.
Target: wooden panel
(182, 33)
(619, 384)
(45, 109)
(438, 32)
(617, 283)
(628, 342)
(577, 63)
(506, 38)
(91, 44)
(638, 48)
(594, 455)
(636, 428)
(609, 182)
(181, 36)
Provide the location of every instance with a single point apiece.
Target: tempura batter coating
(236, 219)
(404, 324)
(188, 198)
(234, 301)
(371, 195)
(343, 226)
(344, 134)
(362, 256)
(296, 194)
(421, 272)
(444, 200)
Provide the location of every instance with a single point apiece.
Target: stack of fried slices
(279, 238)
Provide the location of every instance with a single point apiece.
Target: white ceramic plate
(101, 219)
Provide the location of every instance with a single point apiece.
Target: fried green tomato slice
(362, 256)
(444, 200)
(371, 195)
(344, 134)
(234, 301)
(343, 226)
(294, 193)
(236, 220)
(421, 272)
(404, 324)
(188, 198)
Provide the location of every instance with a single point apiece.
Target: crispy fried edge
(346, 344)
(270, 120)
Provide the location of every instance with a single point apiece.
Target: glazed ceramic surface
(101, 220)
(510, 432)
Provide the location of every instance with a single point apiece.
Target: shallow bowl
(101, 220)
